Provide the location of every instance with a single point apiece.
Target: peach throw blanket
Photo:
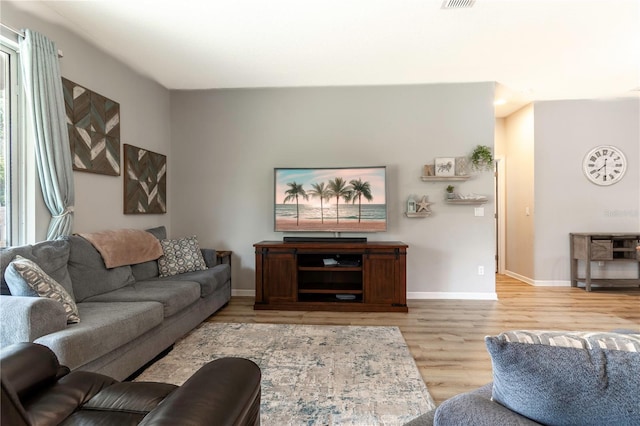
(124, 246)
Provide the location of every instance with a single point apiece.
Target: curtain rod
(21, 34)
(13, 30)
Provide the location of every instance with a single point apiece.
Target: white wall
(519, 154)
(565, 200)
(226, 144)
(145, 122)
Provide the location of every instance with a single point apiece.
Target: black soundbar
(324, 239)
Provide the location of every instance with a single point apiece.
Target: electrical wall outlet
(480, 270)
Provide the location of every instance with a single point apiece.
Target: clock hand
(604, 166)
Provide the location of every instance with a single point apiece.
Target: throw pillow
(179, 256)
(567, 378)
(25, 278)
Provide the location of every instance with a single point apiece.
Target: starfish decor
(423, 205)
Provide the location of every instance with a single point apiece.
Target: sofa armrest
(209, 257)
(25, 319)
(476, 408)
(227, 390)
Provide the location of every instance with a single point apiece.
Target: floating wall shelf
(469, 201)
(421, 214)
(444, 178)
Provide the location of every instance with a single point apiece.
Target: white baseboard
(442, 295)
(518, 277)
(552, 283)
(539, 283)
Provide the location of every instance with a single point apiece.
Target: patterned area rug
(311, 375)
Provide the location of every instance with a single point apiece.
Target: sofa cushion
(147, 270)
(173, 295)
(88, 272)
(179, 256)
(25, 278)
(210, 280)
(475, 408)
(104, 327)
(562, 378)
(51, 256)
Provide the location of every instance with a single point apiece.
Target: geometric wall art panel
(93, 122)
(145, 181)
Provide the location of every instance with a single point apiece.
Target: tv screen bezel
(346, 225)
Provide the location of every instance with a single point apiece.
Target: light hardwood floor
(446, 337)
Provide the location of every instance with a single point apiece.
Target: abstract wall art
(93, 122)
(145, 181)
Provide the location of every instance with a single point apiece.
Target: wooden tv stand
(367, 276)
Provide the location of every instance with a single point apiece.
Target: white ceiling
(538, 49)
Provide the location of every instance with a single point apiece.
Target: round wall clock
(604, 165)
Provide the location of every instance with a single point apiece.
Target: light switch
(479, 211)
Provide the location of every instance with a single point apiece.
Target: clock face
(604, 165)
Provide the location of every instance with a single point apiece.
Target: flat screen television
(341, 199)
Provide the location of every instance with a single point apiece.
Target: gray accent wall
(565, 200)
(226, 144)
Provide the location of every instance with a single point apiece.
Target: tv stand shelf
(365, 276)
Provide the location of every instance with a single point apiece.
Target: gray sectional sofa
(552, 378)
(128, 314)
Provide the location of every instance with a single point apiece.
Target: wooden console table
(331, 276)
(595, 247)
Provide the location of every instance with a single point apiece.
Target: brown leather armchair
(37, 390)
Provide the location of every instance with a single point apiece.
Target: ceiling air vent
(457, 4)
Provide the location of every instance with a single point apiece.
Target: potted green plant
(450, 189)
(482, 158)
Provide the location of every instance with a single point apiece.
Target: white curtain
(45, 108)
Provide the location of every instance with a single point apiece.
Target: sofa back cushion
(88, 273)
(148, 270)
(52, 257)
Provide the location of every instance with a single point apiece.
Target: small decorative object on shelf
(411, 205)
(450, 194)
(462, 166)
(482, 158)
(423, 205)
(445, 166)
(428, 170)
(421, 208)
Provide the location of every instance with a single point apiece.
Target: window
(8, 144)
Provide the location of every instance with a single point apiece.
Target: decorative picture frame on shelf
(145, 181)
(428, 170)
(462, 166)
(445, 166)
